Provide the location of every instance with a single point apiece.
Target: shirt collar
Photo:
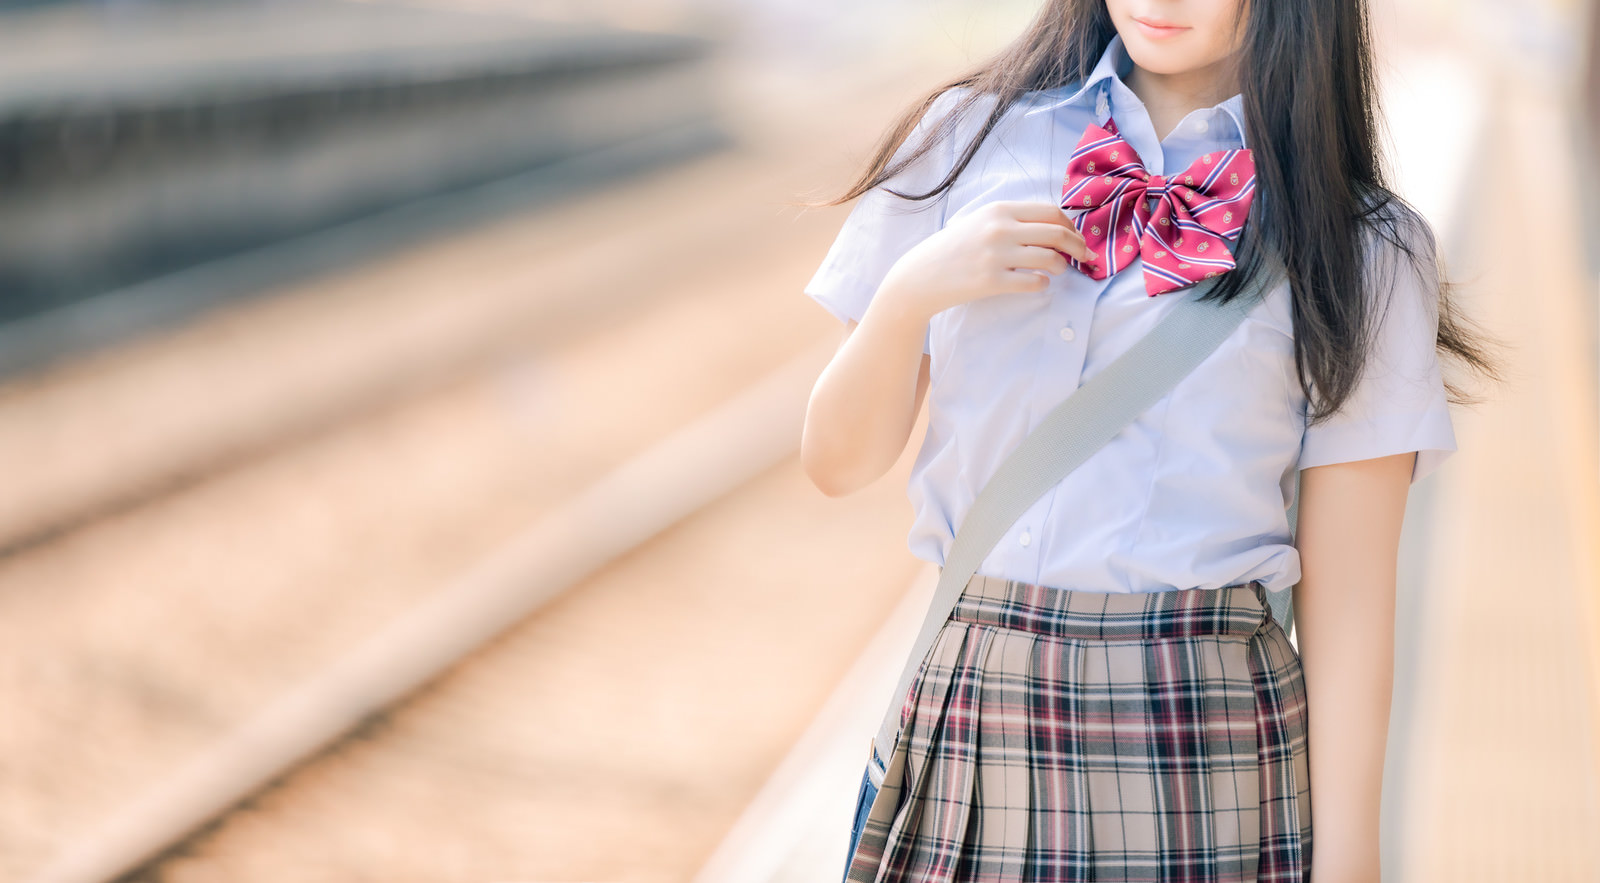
(1110, 73)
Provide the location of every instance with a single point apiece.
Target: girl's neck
(1170, 97)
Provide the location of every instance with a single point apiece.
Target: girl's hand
(995, 249)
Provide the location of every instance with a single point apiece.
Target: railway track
(291, 478)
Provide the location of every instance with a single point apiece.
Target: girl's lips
(1157, 32)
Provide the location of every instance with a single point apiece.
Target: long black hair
(1310, 105)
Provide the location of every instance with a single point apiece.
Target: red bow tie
(1183, 238)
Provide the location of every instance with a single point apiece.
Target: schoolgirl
(1111, 699)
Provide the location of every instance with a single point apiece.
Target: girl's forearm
(1348, 536)
(865, 403)
(1346, 643)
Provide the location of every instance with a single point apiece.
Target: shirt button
(1024, 539)
(1067, 333)
(1201, 125)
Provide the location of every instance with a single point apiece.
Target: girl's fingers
(1024, 280)
(1038, 257)
(1036, 212)
(1061, 238)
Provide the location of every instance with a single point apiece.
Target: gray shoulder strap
(1075, 429)
(1282, 603)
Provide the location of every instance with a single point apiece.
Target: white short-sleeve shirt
(1194, 494)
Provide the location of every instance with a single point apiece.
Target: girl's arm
(865, 404)
(1348, 536)
(866, 401)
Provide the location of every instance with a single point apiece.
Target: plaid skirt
(1059, 735)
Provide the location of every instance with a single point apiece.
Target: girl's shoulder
(1401, 255)
(977, 106)
(950, 121)
(951, 112)
(959, 114)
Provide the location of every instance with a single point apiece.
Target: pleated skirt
(1059, 735)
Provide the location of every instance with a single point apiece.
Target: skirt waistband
(1239, 609)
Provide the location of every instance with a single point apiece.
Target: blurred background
(400, 407)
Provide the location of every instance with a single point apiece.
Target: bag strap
(1080, 425)
(1282, 603)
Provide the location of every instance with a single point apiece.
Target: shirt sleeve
(1400, 403)
(882, 227)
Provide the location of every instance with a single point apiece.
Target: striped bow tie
(1183, 238)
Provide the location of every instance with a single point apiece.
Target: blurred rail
(672, 479)
(534, 355)
(140, 143)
